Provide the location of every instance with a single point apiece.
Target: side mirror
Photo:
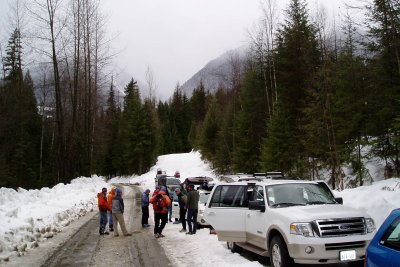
(257, 205)
(339, 200)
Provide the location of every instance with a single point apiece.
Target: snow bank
(378, 199)
(31, 216)
(188, 164)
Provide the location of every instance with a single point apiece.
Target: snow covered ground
(30, 218)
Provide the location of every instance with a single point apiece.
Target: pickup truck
(289, 221)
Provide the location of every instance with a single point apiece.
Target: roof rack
(261, 178)
(250, 179)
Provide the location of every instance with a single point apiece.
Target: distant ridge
(216, 72)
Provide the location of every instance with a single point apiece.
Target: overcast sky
(176, 38)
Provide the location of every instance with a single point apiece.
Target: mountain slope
(217, 72)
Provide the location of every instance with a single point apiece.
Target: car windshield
(204, 197)
(298, 194)
(173, 181)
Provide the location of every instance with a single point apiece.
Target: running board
(253, 248)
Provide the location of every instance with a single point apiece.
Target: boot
(101, 230)
(111, 228)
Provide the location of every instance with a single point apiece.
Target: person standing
(182, 208)
(118, 213)
(103, 208)
(145, 208)
(110, 197)
(158, 188)
(192, 209)
(160, 206)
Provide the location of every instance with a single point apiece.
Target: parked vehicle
(384, 248)
(204, 194)
(288, 221)
(173, 183)
(198, 180)
(204, 186)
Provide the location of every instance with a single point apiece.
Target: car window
(292, 194)
(228, 196)
(391, 238)
(173, 181)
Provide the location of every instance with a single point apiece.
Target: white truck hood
(315, 212)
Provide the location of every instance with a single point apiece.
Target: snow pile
(188, 164)
(378, 199)
(31, 216)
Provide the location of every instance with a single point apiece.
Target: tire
(356, 264)
(233, 247)
(279, 254)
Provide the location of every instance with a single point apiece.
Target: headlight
(303, 229)
(370, 224)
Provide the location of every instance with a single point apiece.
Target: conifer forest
(310, 96)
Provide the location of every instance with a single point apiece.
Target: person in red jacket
(160, 206)
(110, 197)
(103, 208)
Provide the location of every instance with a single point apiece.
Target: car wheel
(233, 247)
(279, 254)
(356, 264)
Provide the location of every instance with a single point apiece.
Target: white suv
(288, 221)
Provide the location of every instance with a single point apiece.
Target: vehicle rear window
(391, 238)
(173, 181)
(228, 196)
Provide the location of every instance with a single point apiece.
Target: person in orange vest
(110, 197)
(160, 206)
(103, 208)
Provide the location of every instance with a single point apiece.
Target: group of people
(111, 207)
(161, 201)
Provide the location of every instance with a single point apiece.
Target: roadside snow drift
(30, 216)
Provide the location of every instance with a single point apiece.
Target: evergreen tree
(198, 107)
(133, 133)
(250, 123)
(112, 118)
(19, 121)
(297, 59)
(151, 135)
(384, 77)
(211, 127)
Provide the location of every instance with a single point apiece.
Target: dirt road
(87, 248)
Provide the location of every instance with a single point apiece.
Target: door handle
(211, 213)
(248, 215)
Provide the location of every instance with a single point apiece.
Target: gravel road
(87, 248)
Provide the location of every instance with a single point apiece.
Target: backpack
(160, 203)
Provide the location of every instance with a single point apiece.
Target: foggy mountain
(217, 72)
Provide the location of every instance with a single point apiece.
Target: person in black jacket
(182, 208)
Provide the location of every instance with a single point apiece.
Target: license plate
(347, 255)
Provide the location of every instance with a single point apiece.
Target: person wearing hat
(110, 197)
(160, 206)
(118, 213)
(103, 208)
(158, 188)
(145, 208)
(192, 209)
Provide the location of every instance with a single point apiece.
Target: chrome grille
(340, 227)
